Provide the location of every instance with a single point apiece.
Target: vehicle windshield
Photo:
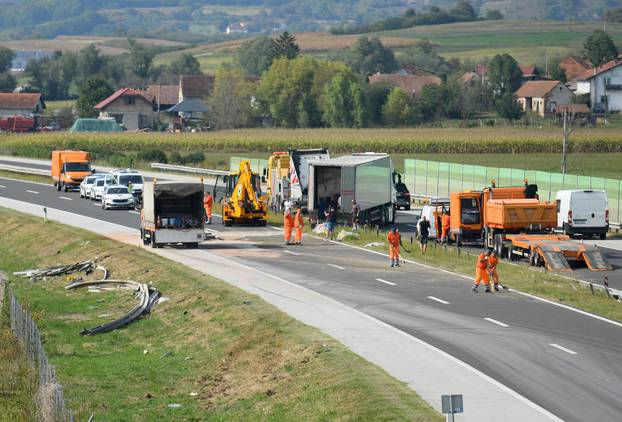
(77, 166)
(470, 211)
(401, 187)
(135, 179)
(89, 180)
(100, 182)
(117, 191)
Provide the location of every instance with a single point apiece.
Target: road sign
(452, 404)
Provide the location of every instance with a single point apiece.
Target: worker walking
(445, 223)
(299, 224)
(481, 272)
(493, 261)
(395, 239)
(208, 204)
(288, 225)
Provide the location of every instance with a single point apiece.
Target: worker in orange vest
(481, 272)
(395, 239)
(299, 224)
(493, 261)
(208, 203)
(445, 223)
(288, 225)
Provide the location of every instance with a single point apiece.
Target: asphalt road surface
(565, 361)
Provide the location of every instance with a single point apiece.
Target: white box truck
(584, 212)
(366, 177)
(299, 171)
(172, 214)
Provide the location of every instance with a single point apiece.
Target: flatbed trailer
(552, 251)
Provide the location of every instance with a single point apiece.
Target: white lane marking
(563, 349)
(291, 253)
(339, 267)
(444, 302)
(494, 321)
(65, 198)
(133, 212)
(2, 186)
(386, 282)
(32, 191)
(412, 225)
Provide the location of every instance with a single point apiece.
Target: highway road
(567, 362)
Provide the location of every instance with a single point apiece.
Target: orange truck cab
(69, 168)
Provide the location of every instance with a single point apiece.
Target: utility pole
(565, 141)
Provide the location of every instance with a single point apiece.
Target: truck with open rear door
(172, 214)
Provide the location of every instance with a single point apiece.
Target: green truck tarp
(95, 125)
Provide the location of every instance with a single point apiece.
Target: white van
(432, 212)
(584, 212)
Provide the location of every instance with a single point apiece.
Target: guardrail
(25, 170)
(186, 169)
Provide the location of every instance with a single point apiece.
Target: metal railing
(26, 170)
(186, 169)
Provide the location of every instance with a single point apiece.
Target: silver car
(97, 189)
(86, 185)
(117, 196)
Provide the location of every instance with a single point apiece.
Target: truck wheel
(567, 230)
(407, 207)
(603, 236)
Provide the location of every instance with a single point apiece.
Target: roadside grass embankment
(244, 359)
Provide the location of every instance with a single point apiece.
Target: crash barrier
(257, 164)
(431, 178)
(186, 169)
(26, 170)
(50, 401)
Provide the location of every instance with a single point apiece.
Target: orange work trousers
(481, 275)
(394, 252)
(298, 234)
(287, 234)
(495, 276)
(444, 232)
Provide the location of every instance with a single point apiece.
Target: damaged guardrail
(147, 295)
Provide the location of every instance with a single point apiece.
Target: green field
(245, 361)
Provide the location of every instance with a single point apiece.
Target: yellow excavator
(243, 202)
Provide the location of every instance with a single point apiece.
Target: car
(127, 176)
(402, 199)
(117, 196)
(97, 189)
(86, 185)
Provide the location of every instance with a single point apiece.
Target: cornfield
(404, 141)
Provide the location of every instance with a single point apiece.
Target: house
(469, 79)
(543, 97)
(164, 96)
(237, 28)
(21, 104)
(411, 84)
(133, 108)
(195, 86)
(574, 66)
(604, 85)
(531, 73)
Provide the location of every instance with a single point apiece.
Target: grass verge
(245, 361)
(25, 176)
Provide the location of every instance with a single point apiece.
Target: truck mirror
(265, 172)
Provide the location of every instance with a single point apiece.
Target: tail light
(407, 194)
(607, 216)
(570, 217)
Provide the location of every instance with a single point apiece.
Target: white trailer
(299, 169)
(172, 214)
(366, 177)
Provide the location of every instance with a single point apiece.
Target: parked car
(584, 212)
(127, 176)
(86, 185)
(402, 196)
(117, 196)
(97, 189)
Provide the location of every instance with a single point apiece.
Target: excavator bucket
(596, 260)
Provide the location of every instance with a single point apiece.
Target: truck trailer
(366, 177)
(172, 214)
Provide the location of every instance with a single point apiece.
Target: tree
(375, 98)
(92, 91)
(441, 101)
(7, 82)
(255, 56)
(504, 74)
(342, 102)
(6, 57)
(494, 15)
(599, 48)
(285, 46)
(613, 15)
(423, 55)
(186, 64)
(557, 73)
(90, 62)
(507, 106)
(231, 99)
(399, 109)
(464, 11)
(141, 59)
(369, 56)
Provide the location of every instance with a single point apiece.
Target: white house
(543, 97)
(604, 84)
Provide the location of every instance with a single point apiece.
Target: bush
(152, 155)
(120, 160)
(194, 158)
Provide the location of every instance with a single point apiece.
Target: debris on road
(346, 235)
(374, 245)
(86, 267)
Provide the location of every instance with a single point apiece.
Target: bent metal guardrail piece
(148, 296)
(186, 169)
(86, 267)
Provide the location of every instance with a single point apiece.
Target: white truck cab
(584, 212)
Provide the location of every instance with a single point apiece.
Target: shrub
(152, 155)
(120, 160)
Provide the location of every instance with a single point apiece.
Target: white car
(127, 177)
(117, 196)
(86, 185)
(97, 189)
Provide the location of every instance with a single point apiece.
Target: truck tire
(603, 236)
(193, 245)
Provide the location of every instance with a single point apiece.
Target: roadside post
(45, 214)
(451, 404)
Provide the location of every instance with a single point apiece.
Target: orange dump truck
(69, 168)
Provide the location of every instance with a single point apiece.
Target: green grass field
(244, 361)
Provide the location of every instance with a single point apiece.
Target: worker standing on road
(395, 239)
(356, 215)
(493, 261)
(288, 226)
(299, 224)
(481, 272)
(208, 203)
(423, 231)
(445, 223)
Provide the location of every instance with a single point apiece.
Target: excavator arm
(244, 203)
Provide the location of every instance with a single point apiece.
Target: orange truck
(69, 168)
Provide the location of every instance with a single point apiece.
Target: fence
(431, 178)
(50, 401)
(257, 164)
